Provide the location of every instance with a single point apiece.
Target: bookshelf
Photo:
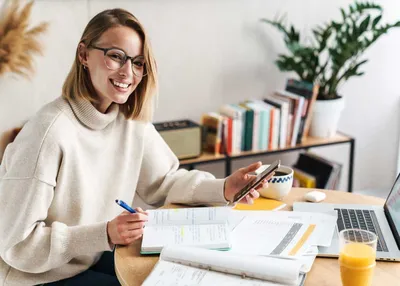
(310, 142)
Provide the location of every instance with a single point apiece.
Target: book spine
(309, 112)
(302, 121)
(211, 142)
(296, 127)
(248, 128)
(256, 129)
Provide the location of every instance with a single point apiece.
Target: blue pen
(125, 206)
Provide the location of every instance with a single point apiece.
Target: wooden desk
(132, 268)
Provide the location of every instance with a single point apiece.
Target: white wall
(212, 52)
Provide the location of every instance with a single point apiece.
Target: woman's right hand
(127, 227)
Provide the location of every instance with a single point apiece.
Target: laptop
(383, 221)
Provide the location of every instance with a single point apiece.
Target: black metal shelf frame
(228, 159)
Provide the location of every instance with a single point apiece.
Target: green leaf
(353, 70)
(343, 13)
(364, 24)
(294, 36)
(277, 25)
(376, 21)
(293, 47)
(318, 31)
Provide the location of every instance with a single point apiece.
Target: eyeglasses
(115, 59)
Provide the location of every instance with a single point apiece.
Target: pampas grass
(18, 42)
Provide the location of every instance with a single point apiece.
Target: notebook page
(308, 258)
(188, 216)
(325, 224)
(206, 235)
(259, 236)
(168, 273)
(265, 268)
(321, 236)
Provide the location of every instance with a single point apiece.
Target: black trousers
(100, 274)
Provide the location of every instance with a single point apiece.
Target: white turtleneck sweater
(59, 180)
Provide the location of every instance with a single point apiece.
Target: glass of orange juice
(357, 256)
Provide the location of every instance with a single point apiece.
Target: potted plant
(334, 55)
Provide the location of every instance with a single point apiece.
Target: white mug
(278, 186)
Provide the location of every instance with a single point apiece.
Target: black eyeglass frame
(105, 50)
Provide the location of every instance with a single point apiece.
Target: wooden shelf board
(205, 157)
(307, 143)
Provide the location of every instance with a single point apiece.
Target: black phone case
(254, 183)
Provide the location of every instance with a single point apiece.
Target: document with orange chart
(262, 236)
(202, 227)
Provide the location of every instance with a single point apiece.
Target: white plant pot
(325, 117)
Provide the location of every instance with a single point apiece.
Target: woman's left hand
(236, 181)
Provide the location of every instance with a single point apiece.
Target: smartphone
(256, 181)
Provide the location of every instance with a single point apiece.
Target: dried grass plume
(18, 42)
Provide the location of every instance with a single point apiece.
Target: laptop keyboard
(361, 219)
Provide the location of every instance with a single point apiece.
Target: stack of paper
(283, 234)
(263, 236)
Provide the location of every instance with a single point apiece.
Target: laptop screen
(392, 209)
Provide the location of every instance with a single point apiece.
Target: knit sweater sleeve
(27, 184)
(161, 181)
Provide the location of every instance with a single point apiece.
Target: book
(310, 93)
(299, 102)
(283, 118)
(261, 204)
(212, 132)
(291, 112)
(226, 135)
(205, 227)
(305, 179)
(334, 176)
(242, 124)
(326, 172)
(256, 124)
(235, 116)
(260, 127)
(265, 122)
(274, 132)
(336, 179)
(249, 126)
(195, 266)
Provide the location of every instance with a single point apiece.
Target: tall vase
(325, 117)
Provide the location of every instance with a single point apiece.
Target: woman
(60, 177)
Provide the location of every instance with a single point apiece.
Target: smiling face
(113, 85)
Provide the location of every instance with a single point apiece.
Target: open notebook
(180, 265)
(203, 227)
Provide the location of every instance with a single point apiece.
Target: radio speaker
(182, 136)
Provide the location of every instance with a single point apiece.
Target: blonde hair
(78, 83)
